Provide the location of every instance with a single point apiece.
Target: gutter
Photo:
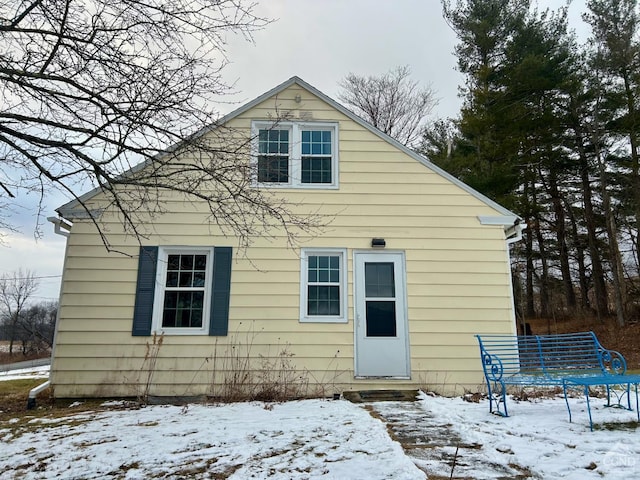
(33, 393)
(61, 226)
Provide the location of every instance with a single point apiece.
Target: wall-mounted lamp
(298, 98)
(378, 243)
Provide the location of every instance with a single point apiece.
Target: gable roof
(509, 219)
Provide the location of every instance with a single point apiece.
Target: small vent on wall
(306, 115)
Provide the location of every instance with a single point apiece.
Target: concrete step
(367, 396)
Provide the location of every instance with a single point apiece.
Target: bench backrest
(545, 354)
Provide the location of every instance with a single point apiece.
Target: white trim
(161, 275)
(304, 275)
(295, 152)
(507, 221)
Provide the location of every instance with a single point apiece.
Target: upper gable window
(296, 155)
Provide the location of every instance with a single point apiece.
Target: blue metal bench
(549, 360)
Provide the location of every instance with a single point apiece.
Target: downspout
(33, 393)
(513, 235)
(61, 227)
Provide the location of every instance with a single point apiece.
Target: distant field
(17, 353)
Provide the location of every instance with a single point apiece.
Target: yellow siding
(458, 282)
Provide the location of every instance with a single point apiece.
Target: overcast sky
(320, 41)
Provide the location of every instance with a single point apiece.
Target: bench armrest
(493, 368)
(613, 362)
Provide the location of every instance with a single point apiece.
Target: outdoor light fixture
(378, 243)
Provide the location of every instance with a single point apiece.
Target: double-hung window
(296, 154)
(182, 291)
(316, 149)
(323, 281)
(185, 286)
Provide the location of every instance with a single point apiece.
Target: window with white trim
(296, 154)
(183, 290)
(323, 285)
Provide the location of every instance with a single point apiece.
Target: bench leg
(564, 390)
(497, 396)
(619, 397)
(586, 393)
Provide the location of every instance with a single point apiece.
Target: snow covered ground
(25, 373)
(539, 438)
(318, 439)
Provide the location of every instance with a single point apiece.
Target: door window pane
(381, 318)
(379, 280)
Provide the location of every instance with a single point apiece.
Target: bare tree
(36, 327)
(93, 89)
(391, 102)
(15, 291)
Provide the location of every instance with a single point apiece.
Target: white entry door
(382, 346)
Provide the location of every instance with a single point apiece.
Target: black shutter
(219, 322)
(145, 290)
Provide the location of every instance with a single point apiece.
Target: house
(410, 264)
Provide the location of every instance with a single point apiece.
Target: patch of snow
(25, 373)
(115, 403)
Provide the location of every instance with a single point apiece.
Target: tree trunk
(619, 285)
(599, 284)
(545, 300)
(561, 238)
(530, 306)
(578, 241)
(601, 302)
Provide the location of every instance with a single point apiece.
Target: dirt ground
(625, 340)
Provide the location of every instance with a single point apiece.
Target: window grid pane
(184, 293)
(273, 169)
(273, 159)
(316, 159)
(323, 285)
(323, 300)
(316, 170)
